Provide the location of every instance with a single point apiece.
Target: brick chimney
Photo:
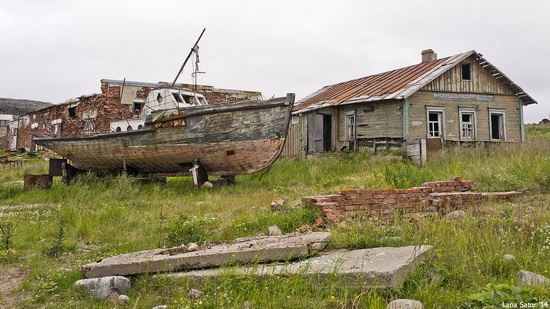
(428, 55)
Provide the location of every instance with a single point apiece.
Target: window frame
(89, 126)
(502, 127)
(350, 126)
(469, 111)
(466, 75)
(441, 120)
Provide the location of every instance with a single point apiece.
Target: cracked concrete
(241, 251)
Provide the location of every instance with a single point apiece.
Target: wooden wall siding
(374, 119)
(294, 144)
(421, 99)
(481, 81)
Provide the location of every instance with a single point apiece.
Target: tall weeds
(108, 216)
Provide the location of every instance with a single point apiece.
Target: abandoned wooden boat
(224, 139)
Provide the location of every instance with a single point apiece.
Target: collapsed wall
(371, 204)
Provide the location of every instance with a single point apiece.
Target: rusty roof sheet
(396, 84)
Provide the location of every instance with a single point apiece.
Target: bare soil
(10, 281)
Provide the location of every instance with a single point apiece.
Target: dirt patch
(10, 281)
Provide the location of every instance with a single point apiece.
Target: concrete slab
(241, 251)
(385, 267)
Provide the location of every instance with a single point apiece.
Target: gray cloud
(55, 50)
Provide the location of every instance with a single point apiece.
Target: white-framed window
(468, 124)
(56, 127)
(497, 124)
(349, 125)
(89, 125)
(435, 120)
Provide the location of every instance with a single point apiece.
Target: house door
(497, 126)
(319, 128)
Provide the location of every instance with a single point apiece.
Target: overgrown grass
(60, 229)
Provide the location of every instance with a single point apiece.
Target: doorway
(319, 133)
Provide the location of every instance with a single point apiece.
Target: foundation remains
(384, 205)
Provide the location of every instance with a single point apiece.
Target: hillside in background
(20, 106)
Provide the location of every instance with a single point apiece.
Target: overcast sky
(59, 49)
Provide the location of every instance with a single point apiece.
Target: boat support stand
(199, 172)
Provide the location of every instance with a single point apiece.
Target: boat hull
(227, 139)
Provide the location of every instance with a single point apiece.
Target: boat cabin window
(140, 127)
(188, 99)
(202, 101)
(177, 97)
(129, 128)
(159, 97)
(118, 129)
(138, 107)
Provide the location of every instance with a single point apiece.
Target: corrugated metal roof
(396, 84)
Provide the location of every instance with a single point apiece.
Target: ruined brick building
(120, 106)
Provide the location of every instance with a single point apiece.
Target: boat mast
(195, 74)
(188, 56)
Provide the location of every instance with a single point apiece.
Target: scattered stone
(320, 222)
(104, 287)
(113, 298)
(277, 204)
(194, 293)
(192, 247)
(304, 229)
(207, 185)
(405, 304)
(529, 279)
(161, 307)
(457, 215)
(274, 230)
(509, 257)
(123, 299)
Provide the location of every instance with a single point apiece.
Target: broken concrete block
(529, 279)
(385, 267)
(104, 287)
(405, 304)
(241, 251)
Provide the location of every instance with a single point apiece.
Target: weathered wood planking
(228, 139)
